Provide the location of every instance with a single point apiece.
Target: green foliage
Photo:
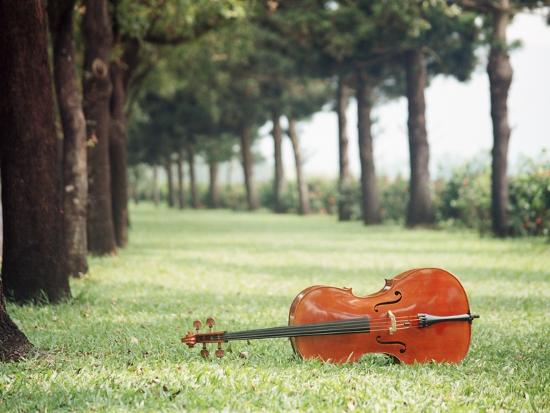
(154, 135)
(350, 35)
(217, 148)
(323, 197)
(161, 29)
(140, 182)
(304, 97)
(166, 21)
(464, 199)
(232, 76)
(529, 191)
(233, 197)
(394, 197)
(116, 346)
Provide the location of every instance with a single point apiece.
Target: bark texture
(118, 155)
(169, 181)
(181, 181)
(33, 262)
(213, 190)
(13, 343)
(121, 75)
(420, 209)
(500, 74)
(279, 175)
(155, 189)
(370, 205)
(97, 93)
(69, 101)
(303, 194)
(247, 162)
(344, 178)
(192, 178)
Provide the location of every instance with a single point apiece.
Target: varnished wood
(428, 290)
(419, 316)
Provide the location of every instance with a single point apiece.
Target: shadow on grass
(368, 271)
(158, 322)
(394, 243)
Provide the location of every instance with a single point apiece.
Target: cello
(421, 315)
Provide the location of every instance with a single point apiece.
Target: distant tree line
(461, 197)
(291, 59)
(199, 78)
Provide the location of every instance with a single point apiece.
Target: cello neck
(358, 325)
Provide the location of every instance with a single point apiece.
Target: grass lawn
(115, 346)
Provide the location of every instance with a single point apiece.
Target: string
(329, 326)
(350, 326)
(360, 325)
(229, 336)
(339, 323)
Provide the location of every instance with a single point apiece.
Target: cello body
(393, 314)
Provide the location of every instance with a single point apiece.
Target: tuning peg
(204, 352)
(219, 352)
(189, 339)
(197, 324)
(210, 322)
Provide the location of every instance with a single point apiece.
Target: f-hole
(403, 345)
(397, 293)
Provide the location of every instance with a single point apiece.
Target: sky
(458, 118)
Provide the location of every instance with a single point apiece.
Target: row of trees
(63, 199)
(243, 76)
(192, 77)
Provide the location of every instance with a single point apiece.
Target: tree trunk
(192, 178)
(229, 176)
(500, 78)
(213, 192)
(248, 170)
(344, 178)
(169, 181)
(181, 179)
(75, 175)
(156, 194)
(121, 74)
(97, 93)
(279, 178)
(303, 195)
(370, 206)
(33, 262)
(420, 210)
(130, 60)
(118, 155)
(13, 343)
(132, 186)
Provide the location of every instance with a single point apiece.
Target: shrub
(529, 192)
(464, 199)
(289, 197)
(233, 197)
(323, 196)
(394, 196)
(461, 200)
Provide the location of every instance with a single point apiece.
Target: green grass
(115, 346)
